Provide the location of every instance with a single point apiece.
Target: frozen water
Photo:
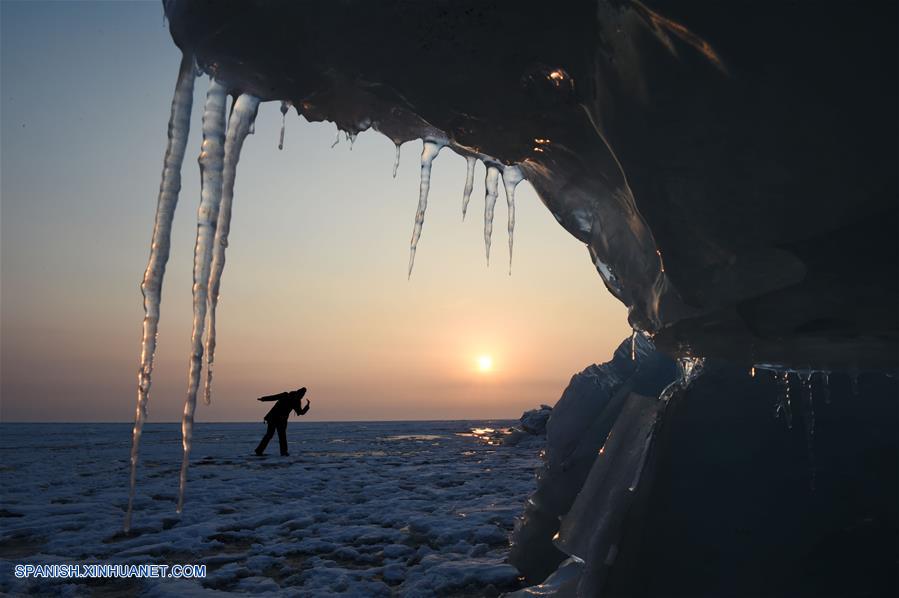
(362, 509)
(784, 405)
(212, 157)
(470, 162)
(242, 116)
(284, 108)
(491, 184)
(151, 287)
(396, 160)
(512, 175)
(429, 151)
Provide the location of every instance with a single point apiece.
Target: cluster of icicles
(510, 175)
(223, 138)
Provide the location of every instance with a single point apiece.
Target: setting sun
(485, 363)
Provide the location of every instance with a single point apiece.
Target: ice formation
(470, 162)
(242, 116)
(600, 442)
(429, 151)
(491, 183)
(151, 287)
(808, 416)
(284, 107)
(223, 138)
(576, 431)
(212, 156)
(512, 175)
(396, 160)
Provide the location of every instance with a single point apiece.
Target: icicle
(783, 406)
(151, 287)
(634, 345)
(211, 164)
(512, 175)
(690, 368)
(336, 139)
(396, 160)
(469, 183)
(429, 151)
(809, 418)
(284, 108)
(827, 388)
(491, 183)
(752, 372)
(242, 116)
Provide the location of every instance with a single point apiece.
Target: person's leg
(268, 436)
(282, 437)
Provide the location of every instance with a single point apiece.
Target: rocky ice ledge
(733, 175)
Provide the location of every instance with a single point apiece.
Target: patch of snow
(414, 509)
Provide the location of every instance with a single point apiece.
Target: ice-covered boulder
(576, 429)
(534, 421)
(531, 426)
(791, 473)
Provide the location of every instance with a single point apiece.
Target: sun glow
(485, 363)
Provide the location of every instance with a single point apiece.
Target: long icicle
(151, 287)
(285, 106)
(429, 151)
(491, 183)
(396, 160)
(211, 163)
(469, 183)
(242, 115)
(512, 175)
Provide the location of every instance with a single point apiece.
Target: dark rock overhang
(732, 167)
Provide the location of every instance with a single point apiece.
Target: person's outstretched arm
(276, 397)
(304, 409)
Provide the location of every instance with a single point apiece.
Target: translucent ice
(151, 287)
(211, 162)
(284, 107)
(512, 175)
(491, 183)
(784, 407)
(429, 151)
(396, 160)
(469, 183)
(243, 114)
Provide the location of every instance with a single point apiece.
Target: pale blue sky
(314, 291)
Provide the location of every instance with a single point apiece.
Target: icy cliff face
(693, 493)
(732, 174)
(576, 431)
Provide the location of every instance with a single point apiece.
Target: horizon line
(331, 421)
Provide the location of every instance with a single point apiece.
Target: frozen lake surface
(367, 509)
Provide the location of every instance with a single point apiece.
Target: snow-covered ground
(368, 509)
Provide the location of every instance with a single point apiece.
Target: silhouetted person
(277, 416)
